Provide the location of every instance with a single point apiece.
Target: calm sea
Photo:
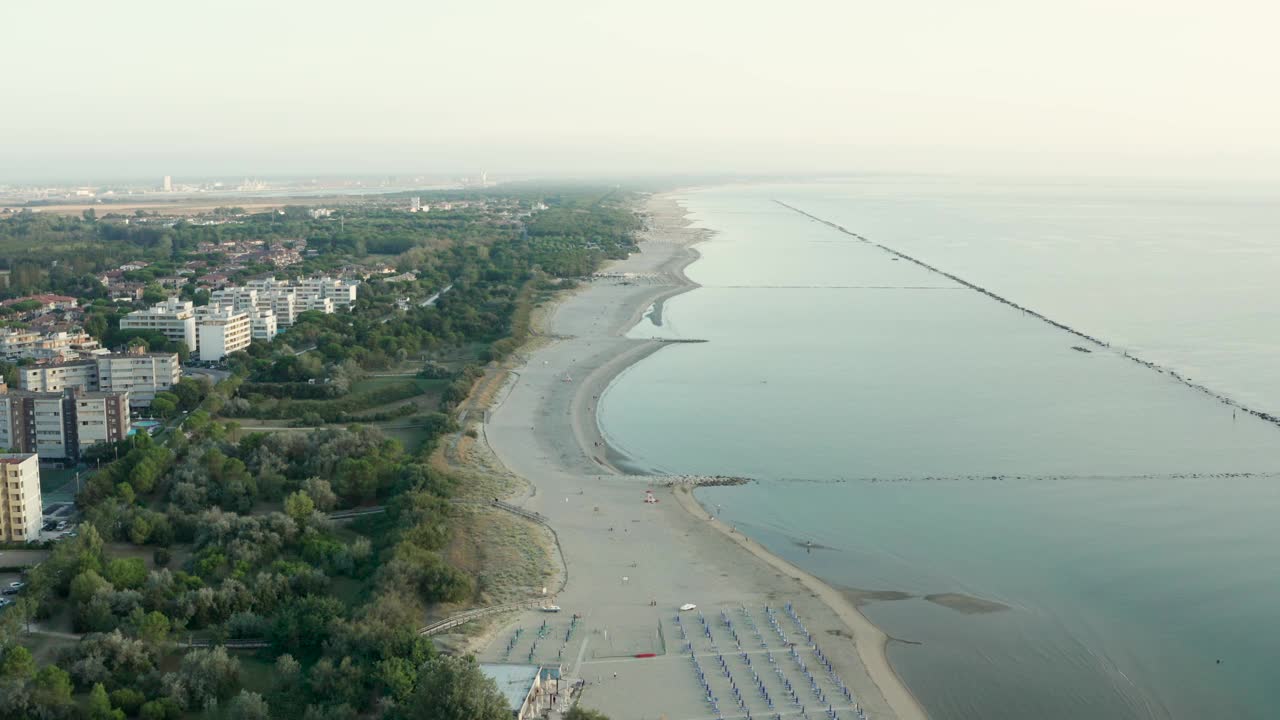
(932, 440)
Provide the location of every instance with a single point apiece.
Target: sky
(97, 90)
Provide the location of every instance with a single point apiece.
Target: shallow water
(938, 441)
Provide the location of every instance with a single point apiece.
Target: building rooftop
(15, 458)
(515, 681)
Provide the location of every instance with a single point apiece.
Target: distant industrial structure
(167, 184)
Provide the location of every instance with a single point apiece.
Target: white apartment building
(173, 318)
(100, 417)
(284, 305)
(47, 430)
(261, 295)
(82, 374)
(341, 292)
(16, 343)
(262, 324)
(223, 330)
(240, 298)
(140, 374)
(321, 304)
(21, 508)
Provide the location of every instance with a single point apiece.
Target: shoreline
(568, 460)
(871, 642)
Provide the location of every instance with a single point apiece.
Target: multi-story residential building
(173, 318)
(223, 330)
(56, 377)
(284, 305)
(60, 426)
(139, 373)
(240, 298)
(25, 343)
(318, 304)
(262, 324)
(16, 342)
(100, 417)
(341, 292)
(20, 503)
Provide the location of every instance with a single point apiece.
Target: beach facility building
(524, 686)
(20, 503)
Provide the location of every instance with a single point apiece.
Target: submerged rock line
(1273, 419)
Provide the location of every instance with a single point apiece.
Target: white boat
(688, 606)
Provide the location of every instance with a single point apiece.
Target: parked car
(62, 525)
(4, 601)
(17, 585)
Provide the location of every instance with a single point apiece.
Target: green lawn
(371, 382)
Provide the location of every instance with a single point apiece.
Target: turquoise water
(937, 441)
(146, 425)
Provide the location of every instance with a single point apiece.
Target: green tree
(299, 506)
(127, 573)
(189, 393)
(164, 408)
(96, 325)
(248, 706)
(153, 628)
(162, 709)
(86, 585)
(99, 707)
(139, 530)
(127, 699)
(451, 688)
(17, 664)
(52, 692)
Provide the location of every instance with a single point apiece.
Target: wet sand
(966, 604)
(631, 564)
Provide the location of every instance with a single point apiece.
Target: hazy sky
(98, 89)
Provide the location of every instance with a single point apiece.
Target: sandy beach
(632, 564)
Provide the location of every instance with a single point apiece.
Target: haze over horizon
(575, 87)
